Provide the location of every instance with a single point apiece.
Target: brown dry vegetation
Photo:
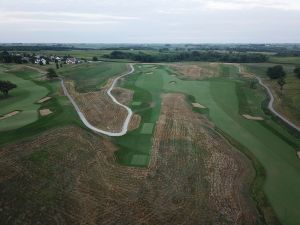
(99, 109)
(197, 72)
(123, 95)
(69, 176)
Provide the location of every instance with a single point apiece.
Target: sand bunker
(44, 99)
(172, 82)
(248, 117)
(9, 115)
(45, 112)
(197, 105)
(149, 73)
(298, 153)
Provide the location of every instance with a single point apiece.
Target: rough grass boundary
(266, 212)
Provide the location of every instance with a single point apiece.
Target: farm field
(209, 159)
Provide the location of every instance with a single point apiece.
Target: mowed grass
(147, 128)
(147, 90)
(63, 111)
(92, 76)
(23, 98)
(285, 60)
(273, 146)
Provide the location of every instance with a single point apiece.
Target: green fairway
(24, 99)
(91, 76)
(273, 146)
(29, 123)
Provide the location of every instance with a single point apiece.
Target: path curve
(271, 103)
(271, 108)
(86, 122)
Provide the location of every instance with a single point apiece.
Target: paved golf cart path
(271, 103)
(95, 129)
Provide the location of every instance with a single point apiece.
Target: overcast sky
(150, 21)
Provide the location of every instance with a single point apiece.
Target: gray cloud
(150, 21)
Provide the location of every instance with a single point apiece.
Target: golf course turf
(271, 144)
(22, 99)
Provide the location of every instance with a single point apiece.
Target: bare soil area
(248, 117)
(45, 112)
(44, 100)
(9, 115)
(197, 105)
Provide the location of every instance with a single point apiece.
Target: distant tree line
(37, 48)
(208, 56)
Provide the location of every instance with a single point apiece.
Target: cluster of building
(46, 60)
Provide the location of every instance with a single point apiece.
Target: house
(71, 60)
(40, 61)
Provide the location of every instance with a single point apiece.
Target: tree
(276, 72)
(51, 73)
(281, 83)
(6, 86)
(297, 72)
(95, 58)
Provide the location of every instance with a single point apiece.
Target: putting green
(22, 98)
(147, 128)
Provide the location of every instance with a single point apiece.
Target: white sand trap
(197, 105)
(9, 115)
(298, 153)
(248, 117)
(45, 112)
(44, 99)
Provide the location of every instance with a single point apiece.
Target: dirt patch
(134, 122)
(298, 153)
(9, 115)
(197, 72)
(197, 105)
(45, 112)
(44, 99)
(248, 117)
